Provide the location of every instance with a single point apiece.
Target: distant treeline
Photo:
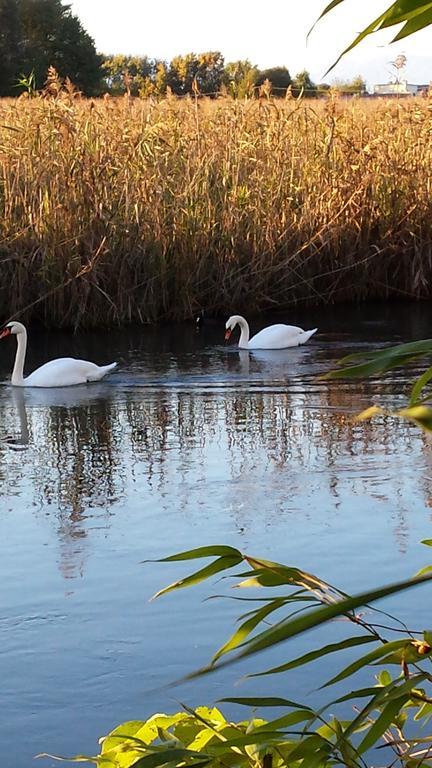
(38, 34)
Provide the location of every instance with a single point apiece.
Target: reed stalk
(125, 210)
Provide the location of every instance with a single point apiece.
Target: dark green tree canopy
(279, 78)
(37, 34)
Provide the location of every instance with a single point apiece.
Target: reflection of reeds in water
(85, 457)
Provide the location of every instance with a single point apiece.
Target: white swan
(273, 337)
(62, 372)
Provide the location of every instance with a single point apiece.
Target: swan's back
(66, 372)
(280, 336)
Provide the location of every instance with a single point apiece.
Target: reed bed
(124, 210)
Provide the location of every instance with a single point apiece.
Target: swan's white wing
(66, 372)
(277, 337)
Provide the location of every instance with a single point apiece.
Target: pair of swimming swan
(68, 371)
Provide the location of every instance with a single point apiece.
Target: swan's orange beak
(5, 332)
(227, 334)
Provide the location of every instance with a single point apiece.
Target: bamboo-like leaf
(382, 723)
(307, 747)
(315, 618)
(350, 642)
(263, 701)
(367, 31)
(246, 628)
(172, 757)
(368, 658)
(413, 12)
(371, 362)
(420, 385)
(414, 25)
(420, 414)
(193, 554)
(221, 564)
(384, 694)
(404, 10)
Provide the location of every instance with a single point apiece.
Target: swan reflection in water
(69, 463)
(59, 397)
(95, 453)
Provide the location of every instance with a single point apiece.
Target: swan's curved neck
(18, 369)
(244, 335)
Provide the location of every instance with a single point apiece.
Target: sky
(271, 33)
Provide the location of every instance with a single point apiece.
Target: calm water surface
(188, 443)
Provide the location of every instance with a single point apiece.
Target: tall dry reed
(123, 210)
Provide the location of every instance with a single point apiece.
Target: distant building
(402, 88)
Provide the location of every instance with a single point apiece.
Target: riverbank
(118, 211)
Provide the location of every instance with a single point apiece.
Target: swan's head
(12, 328)
(231, 324)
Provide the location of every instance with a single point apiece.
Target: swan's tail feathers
(103, 370)
(305, 336)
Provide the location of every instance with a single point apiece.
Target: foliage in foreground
(413, 15)
(379, 361)
(299, 737)
(118, 210)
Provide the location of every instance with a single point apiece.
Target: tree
(279, 77)
(37, 34)
(240, 78)
(413, 14)
(302, 84)
(10, 42)
(356, 85)
(128, 73)
(205, 70)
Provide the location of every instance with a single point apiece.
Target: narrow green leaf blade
(368, 658)
(315, 618)
(193, 554)
(420, 383)
(221, 564)
(381, 724)
(264, 701)
(312, 655)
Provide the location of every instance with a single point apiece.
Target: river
(189, 442)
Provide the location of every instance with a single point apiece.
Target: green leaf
(381, 724)
(380, 361)
(307, 747)
(414, 25)
(264, 701)
(171, 756)
(221, 564)
(395, 690)
(193, 554)
(246, 628)
(368, 658)
(404, 10)
(285, 630)
(333, 4)
(420, 385)
(312, 655)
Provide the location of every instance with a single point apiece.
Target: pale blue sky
(271, 33)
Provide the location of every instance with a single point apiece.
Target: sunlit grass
(164, 207)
